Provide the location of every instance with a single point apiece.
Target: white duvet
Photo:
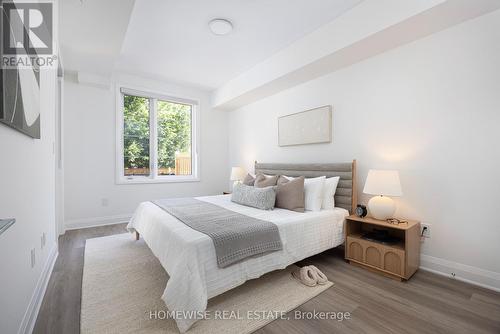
(189, 258)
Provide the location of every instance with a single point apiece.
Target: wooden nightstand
(397, 260)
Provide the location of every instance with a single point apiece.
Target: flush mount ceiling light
(220, 26)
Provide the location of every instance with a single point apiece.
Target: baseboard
(462, 272)
(96, 221)
(31, 314)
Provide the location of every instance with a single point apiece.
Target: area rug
(123, 282)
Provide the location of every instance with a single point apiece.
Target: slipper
(318, 275)
(305, 276)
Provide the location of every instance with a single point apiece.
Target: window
(156, 138)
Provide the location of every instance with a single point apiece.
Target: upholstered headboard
(345, 196)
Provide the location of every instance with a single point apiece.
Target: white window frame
(153, 145)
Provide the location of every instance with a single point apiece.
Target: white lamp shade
(237, 174)
(383, 182)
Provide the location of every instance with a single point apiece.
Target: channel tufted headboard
(345, 196)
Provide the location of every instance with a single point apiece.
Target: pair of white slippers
(310, 276)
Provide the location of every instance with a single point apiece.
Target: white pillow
(313, 192)
(329, 189)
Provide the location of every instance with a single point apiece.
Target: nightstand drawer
(389, 258)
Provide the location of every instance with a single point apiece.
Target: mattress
(189, 257)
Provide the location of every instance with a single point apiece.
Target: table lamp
(237, 174)
(382, 183)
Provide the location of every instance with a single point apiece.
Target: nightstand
(398, 259)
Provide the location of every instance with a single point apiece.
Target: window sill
(147, 180)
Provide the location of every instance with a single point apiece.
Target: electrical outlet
(425, 230)
(33, 258)
(104, 202)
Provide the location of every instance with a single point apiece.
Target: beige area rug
(123, 281)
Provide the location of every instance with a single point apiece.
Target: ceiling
(91, 33)
(170, 39)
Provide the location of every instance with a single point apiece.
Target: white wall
(27, 192)
(90, 144)
(430, 109)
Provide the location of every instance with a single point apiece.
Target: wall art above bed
(306, 127)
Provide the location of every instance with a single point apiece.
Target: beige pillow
(249, 180)
(262, 180)
(290, 194)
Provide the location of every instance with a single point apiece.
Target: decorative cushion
(262, 180)
(313, 192)
(260, 198)
(329, 189)
(249, 180)
(290, 194)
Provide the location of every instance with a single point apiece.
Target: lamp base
(381, 207)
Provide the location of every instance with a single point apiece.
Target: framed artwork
(306, 127)
(19, 83)
(20, 100)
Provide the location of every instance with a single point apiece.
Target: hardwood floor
(60, 310)
(427, 303)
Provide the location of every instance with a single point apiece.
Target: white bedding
(189, 258)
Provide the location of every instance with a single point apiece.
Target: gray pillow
(262, 180)
(290, 194)
(260, 198)
(249, 180)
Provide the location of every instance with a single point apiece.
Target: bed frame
(346, 194)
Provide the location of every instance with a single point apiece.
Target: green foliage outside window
(136, 132)
(174, 132)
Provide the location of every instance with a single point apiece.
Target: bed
(188, 256)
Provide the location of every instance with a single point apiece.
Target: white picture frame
(311, 126)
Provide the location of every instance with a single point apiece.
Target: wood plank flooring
(427, 303)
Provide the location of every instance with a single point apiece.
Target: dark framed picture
(20, 100)
(19, 87)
